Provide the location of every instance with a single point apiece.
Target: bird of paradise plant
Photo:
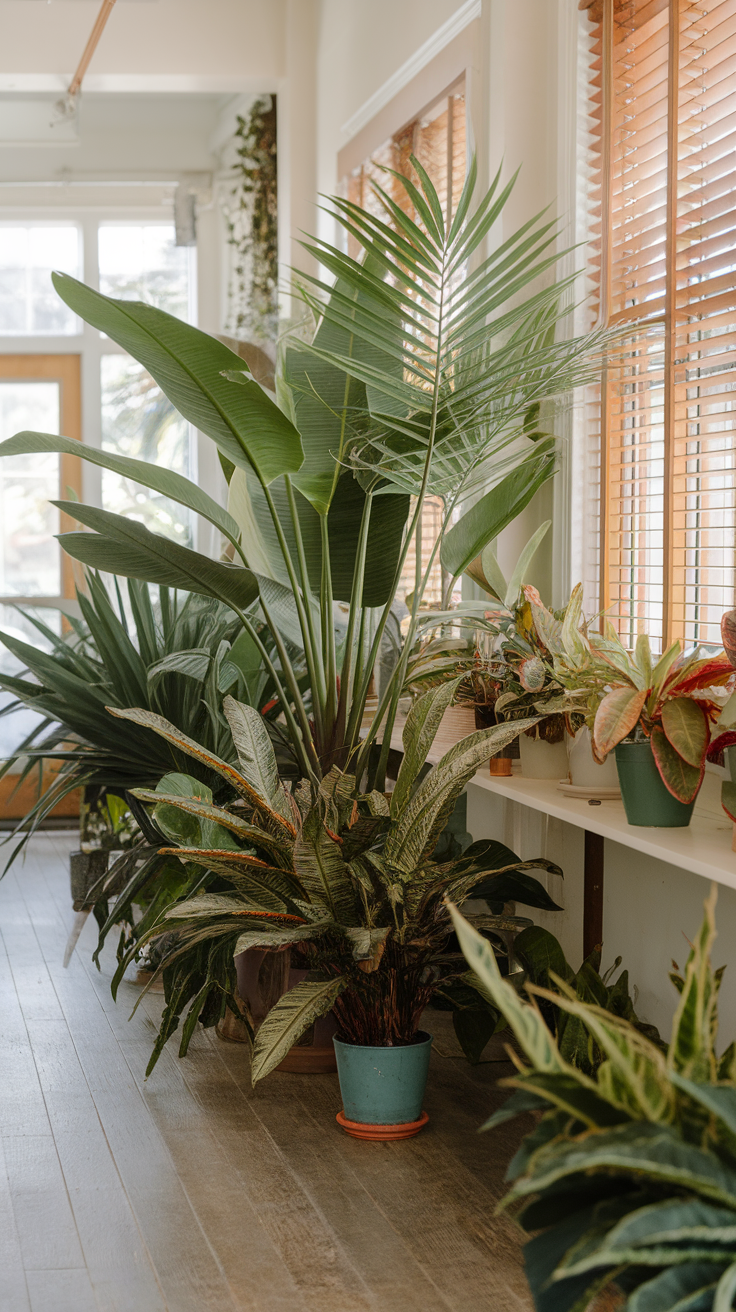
(425, 365)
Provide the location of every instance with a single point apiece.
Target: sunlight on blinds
(668, 267)
(437, 137)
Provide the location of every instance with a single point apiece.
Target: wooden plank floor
(190, 1192)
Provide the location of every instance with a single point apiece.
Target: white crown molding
(419, 60)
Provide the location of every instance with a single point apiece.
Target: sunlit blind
(437, 137)
(668, 267)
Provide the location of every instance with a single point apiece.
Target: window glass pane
(15, 728)
(139, 421)
(28, 253)
(140, 262)
(29, 554)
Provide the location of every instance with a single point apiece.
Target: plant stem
(300, 740)
(317, 662)
(328, 633)
(351, 659)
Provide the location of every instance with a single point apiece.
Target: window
(141, 262)
(28, 253)
(663, 103)
(437, 137)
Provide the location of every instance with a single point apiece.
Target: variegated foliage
(347, 882)
(630, 1174)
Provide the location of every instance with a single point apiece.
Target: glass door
(40, 393)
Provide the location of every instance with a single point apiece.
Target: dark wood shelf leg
(593, 893)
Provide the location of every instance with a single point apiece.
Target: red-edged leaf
(728, 634)
(616, 717)
(685, 723)
(708, 673)
(718, 744)
(679, 778)
(531, 673)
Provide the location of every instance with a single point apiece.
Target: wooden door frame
(66, 370)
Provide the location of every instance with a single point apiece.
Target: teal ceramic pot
(646, 799)
(383, 1086)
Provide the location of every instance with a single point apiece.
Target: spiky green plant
(630, 1174)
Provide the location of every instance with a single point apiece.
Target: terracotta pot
(263, 977)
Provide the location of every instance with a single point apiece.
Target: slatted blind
(437, 137)
(668, 268)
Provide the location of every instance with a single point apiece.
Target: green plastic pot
(647, 801)
(383, 1086)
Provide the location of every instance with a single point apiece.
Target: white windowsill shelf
(704, 847)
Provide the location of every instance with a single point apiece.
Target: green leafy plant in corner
(348, 882)
(629, 1178)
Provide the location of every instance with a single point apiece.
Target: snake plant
(629, 1177)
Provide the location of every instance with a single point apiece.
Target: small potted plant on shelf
(349, 884)
(722, 748)
(655, 714)
(521, 646)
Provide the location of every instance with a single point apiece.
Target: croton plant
(725, 730)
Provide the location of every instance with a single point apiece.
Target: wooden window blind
(665, 84)
(437, 137)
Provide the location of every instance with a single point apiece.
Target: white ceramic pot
(585, 772)
(541, 760)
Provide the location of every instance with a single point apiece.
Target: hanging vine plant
(250, 210)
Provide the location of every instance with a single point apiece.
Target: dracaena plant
(425, 365)
(346, 880)
(630, 1174)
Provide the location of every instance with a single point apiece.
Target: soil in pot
(383, 1088)
(646, 800)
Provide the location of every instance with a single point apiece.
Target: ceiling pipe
(66, 108)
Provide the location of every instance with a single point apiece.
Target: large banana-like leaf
(389, 513)
(257, 757)
(494, 511)
(417, 826)
(124, 547)
(322, 871)
(419, 733)
(287, 1021)
(188, 366)
(157, 477)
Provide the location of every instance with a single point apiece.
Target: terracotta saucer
(361, 1130)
